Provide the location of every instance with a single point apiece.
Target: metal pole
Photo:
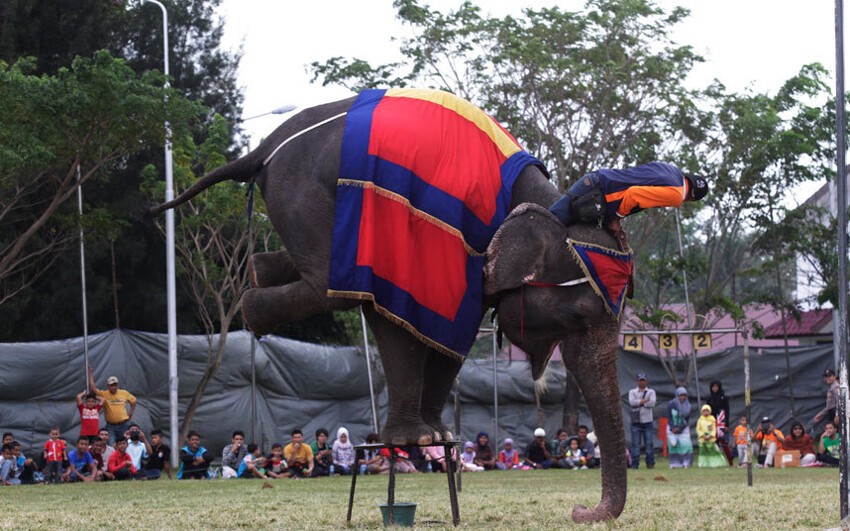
(747, 403)
(170, 275)
(841, 215)
(83, 279)
(254, 389)
(687, 304)
(495, 395)
(369, 372)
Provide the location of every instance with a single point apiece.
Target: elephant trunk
(594, 364)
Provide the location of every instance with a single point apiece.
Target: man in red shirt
(120, 462)
(54, 455)
(89, 409)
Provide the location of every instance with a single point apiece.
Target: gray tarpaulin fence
(311, 386)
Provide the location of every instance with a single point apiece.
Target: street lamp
(280, 110)
(171, 283)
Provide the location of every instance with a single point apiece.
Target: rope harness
(250, 192)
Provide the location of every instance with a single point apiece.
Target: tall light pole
(171, 283)
(280, 110)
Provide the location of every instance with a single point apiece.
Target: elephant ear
(526, 246)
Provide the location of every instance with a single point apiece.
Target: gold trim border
(365, 296)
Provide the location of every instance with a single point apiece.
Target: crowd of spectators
(132, 455)
(715, 442)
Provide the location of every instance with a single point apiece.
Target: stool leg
(452, 490)
(354, 473)
(391, 489)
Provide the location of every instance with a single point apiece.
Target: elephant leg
(264, 309)
(592, 357)
(440, 374)
(403, 358)
(272, 269)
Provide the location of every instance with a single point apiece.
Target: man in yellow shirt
(299, 456)
(115, 406)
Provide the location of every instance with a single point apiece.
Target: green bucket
(403, 513)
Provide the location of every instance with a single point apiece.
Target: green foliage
(582, 90)
(55, 33)
(94, 114)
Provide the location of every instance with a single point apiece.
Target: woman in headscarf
(720, 410)
(679, 446)
(709, 454)
(343, 452)
(801, 441)
(483, 453)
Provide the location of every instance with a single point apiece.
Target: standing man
(830, 412)
(115, 405)
(642, 400)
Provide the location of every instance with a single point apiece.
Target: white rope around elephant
(299, 133)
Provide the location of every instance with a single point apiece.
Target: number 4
(632, 342)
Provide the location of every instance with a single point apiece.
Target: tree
(125, 267)
(214, 239)
(90, 117)
(596, 88)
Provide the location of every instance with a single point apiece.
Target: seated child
(508, 457)
(574, 457)
(276, 464)
(467, 458)
(8, 466)
(80, 463)
(251, 465)
(402, 463)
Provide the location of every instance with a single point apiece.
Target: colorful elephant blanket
(425, 180)
(608, 271)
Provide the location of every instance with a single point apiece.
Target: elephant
(297, 168)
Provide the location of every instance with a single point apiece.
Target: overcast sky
(755, 44)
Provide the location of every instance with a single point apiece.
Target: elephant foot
(271, 269)
(254, 314)
(408, 434)
(441, 431)
(600, 513)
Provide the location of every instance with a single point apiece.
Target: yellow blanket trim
(383, 192)
(586, 271)
(465, 109)
(363, 296)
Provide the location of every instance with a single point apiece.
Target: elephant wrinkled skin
(299, 187)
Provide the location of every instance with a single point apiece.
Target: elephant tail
(242, 170)
(247, 168)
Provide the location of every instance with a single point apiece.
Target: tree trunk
(213, 364)
(572, 395)
(114, 285)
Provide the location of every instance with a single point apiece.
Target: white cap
(539, 432)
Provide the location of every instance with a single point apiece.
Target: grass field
(802, 498)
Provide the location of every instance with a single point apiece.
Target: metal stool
(447, 446)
